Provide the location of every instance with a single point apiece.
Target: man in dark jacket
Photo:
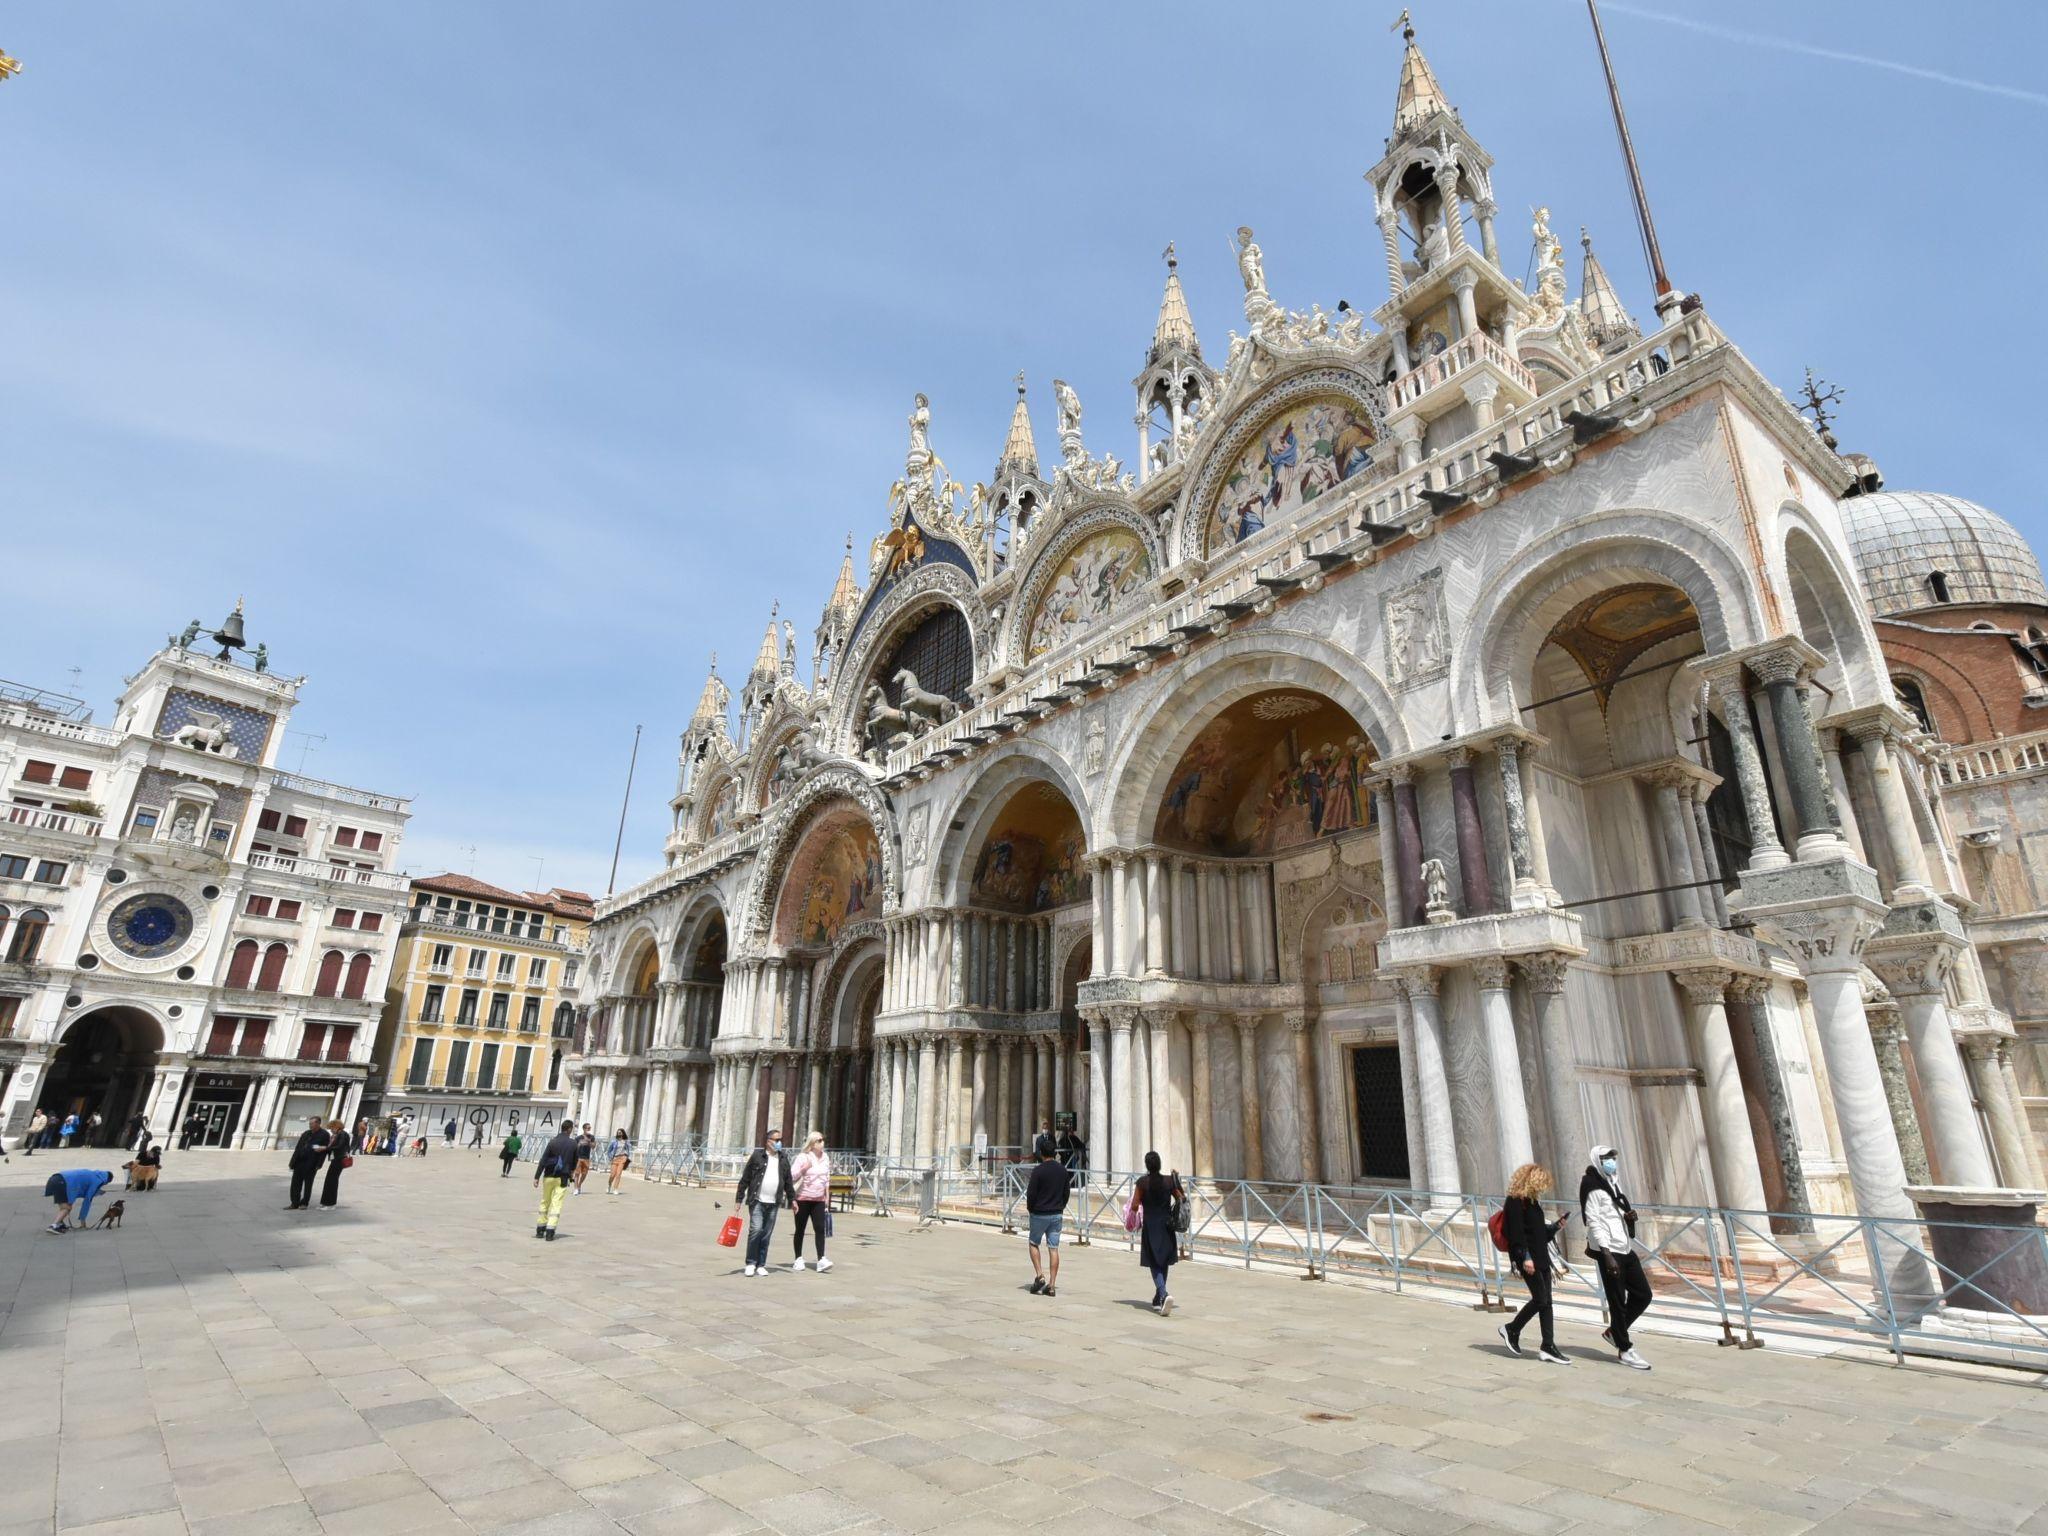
(551, 1176)
(305, 1162)
(1045, 1201)
(764, 1189)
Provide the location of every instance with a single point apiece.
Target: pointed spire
(1600, 307)
(711, 703)
(845, 599)
(1176, 327)
(1419, 96)
(1020, 448)
(768, 662)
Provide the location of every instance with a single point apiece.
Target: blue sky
(512, 357)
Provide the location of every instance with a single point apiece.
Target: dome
(1904, 540)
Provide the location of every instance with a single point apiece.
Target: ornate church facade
(1457, 737)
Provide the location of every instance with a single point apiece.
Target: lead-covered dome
(1915, 549)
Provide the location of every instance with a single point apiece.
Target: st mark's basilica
(1459, 734)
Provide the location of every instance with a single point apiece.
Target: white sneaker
(749, 1269)
(799, 1264)
(823, 1265)
(1166, 1307)
(1634, 1361)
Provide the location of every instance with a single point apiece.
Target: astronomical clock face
(149, 925)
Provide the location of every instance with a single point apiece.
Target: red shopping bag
(729, 1234)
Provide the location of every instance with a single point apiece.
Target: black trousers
(1537, 1306)
(1628, 1294)
(330, 1188)
(302, 1184)
(811, 1212)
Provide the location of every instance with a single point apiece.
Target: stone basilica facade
(1457, 737)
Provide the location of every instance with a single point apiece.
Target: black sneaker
(1551, 1356)
(1607, 1337)
(1051, 1290)
(551, 1234)
(1508, 1338)
(1038, 1287)
(540, 1229)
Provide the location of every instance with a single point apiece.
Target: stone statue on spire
(1259, 308)
(1069, 404)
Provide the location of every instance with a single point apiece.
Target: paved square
(416, 1362)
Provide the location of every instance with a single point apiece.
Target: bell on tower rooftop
(1419, 97)
(229, 636)
(1176, 327)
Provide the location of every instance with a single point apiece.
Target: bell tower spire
(1175, 385)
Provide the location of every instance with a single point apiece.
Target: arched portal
(834, 878)
(699, 965)
(103, 1067)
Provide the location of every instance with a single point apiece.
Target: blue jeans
(1158, 1283)
(760, 1227)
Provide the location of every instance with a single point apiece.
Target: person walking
(476, 1137)
(1611, 1243)
(93, 1122)
(509, 1154)
(551, 1176)
(619, 1155)
(305, 1161)
(75, 1187)
(811, 1174)
(1158, 1197)
(189, 1131)
(1045, 1204)
(1529, 1238)
(38, 1124)
(69, 1130)
(448, 1132)
(586, 1148)
(338, 1158)
(138, 1128)
(765, 1187)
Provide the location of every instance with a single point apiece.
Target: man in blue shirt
(75, 1187)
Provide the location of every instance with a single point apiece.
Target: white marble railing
(717, 851)
(49, 725)
(343, 792)
(54, 821)
(1467, 352)
(1974, 763)
(314, 869)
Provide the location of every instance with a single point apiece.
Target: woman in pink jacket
(811, 1174)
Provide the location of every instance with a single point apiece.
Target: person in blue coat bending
(75, 1187)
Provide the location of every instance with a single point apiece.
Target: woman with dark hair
(1529, 1238)
(1157, 1198)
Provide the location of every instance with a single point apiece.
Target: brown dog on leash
(112, 1218)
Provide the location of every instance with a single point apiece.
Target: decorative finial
(1405, 25)
(1020, 383)
(714, 661)
(1816, 396)
(1172, 260)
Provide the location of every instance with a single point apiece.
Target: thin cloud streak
(1838, 55)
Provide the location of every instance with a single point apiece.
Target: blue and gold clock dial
(149, 924)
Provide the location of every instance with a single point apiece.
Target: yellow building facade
(478, 1020)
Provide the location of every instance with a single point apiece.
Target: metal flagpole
(620, 841)
(1651, 251)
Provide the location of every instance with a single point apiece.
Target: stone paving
(416, 1362)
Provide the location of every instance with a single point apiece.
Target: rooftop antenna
(76, 673)
(470, 849)
(619, 842)
(540, 870)
(307, 741)
(1815, 396)
(1652, 252)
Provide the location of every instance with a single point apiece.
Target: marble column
(1099, 1155)
(1433, 1083)
(1895, 811)
(1765, 851)
(1799, 755)
(1309, 1093)
(692, 1078)
(1123, 1157)
(1099, 955)
(1155, 914)
(928, 1095)
(1251, 1091)
(1570, 1142)
(1408, 848)
(1005, 1129)
(1027, 1093)
(1158, 1080)
(1046, 1046)
(818, 1108)
(1780, 1135)
(1474, 883)
(1201, 1110)
(1504, 1061)
(1887, 1044)
(2029, 1156)
(1917, 981)
(1515, 814)
(1665, 787)
(1731, 1153)
(981, 1130)
(2006, 1135)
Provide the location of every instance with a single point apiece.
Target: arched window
(1914, 702)
(3, 929)
(330, 974)
(271, 976)
(358, 976)
(565, 1021)
(242, 966)
(554, 1070)
(28, 936)
(1937, 585)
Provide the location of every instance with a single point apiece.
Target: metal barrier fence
(1741, 1277)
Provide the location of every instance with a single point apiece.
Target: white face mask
(1609, 1166)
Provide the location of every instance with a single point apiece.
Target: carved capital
(1706, 985)
(1912, 973)
(1491, 972)
(1753, 990)
(1459, 757)
(1247, 1026)
(1785, 666)
(1545, 973)
(1419, 981)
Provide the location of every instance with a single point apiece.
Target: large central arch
(824, 788)
(103, 1066)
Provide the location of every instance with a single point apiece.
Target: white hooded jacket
(1603, 1205)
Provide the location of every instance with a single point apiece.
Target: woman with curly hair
(1529, 1238)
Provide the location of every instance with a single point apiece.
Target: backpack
(1497, 1228)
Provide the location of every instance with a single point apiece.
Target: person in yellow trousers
(552, 1174)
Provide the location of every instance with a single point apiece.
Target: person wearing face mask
(765, 1187)
(1611, 1244)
